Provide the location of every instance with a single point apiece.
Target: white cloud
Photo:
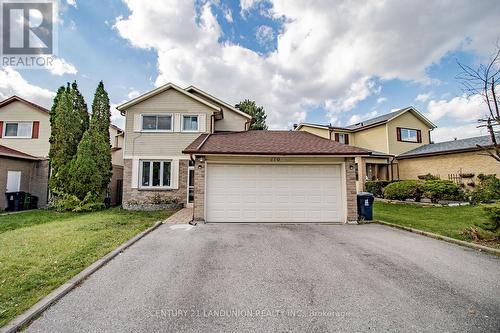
(264, 35)
(247, 5)
(324, 57)
(12, 83)
(423, 97)
(71, 3)
(228, 15)
(449, 133)
(133, 94)
(116, 117)
(60, 67)
(357, 118)
(381, 100)
(461, 108)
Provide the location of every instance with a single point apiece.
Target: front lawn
(446, 221)
(41, 250)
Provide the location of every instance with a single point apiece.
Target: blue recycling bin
(365, 206)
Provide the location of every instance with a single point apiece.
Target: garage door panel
(274, 193)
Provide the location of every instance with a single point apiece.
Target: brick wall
(135, 196)
(352, 209)
(199, 190)
(34, 178)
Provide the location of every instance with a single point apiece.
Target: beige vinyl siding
(17, 111)
(322, 132)
(406, 120)
(167, 143)
(231, 121)
(374, 138)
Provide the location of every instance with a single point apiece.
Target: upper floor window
(18, 129)
(342, 138)
(409, 135)
(156, 174)
(157, 122)
(190, 123)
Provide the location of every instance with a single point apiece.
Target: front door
(13, 181)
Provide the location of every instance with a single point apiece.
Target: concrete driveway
(285, 278)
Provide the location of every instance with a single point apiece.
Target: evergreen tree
(99, 124)
(91, 169)
(69, 120)
(84, 176)
(257, 112)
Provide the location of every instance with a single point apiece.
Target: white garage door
(274, 193)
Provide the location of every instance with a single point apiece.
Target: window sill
(16, 137)
(156, 131)
(408, 141)
(155, 189)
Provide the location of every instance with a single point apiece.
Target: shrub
(493, 213)
(428, 177)
(70, 203)
(376, 187)
(402, 190)
(488, 189)
(442, 190)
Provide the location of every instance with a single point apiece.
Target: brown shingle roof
(269, 143)
(6, 151)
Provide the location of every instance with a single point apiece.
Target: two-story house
(386, 136)
(187, 146)
(24, 150)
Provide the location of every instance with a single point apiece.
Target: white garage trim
(339, 199)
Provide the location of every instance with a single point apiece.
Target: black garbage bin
(365, 206)
(15, 201)
(34, 202)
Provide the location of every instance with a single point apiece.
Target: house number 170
(275, 159)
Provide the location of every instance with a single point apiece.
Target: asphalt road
(285, 278)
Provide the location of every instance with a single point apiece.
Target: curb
(36, 310)
(444, 238)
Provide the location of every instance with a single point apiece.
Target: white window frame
(342, 138)
(190, 115)
(141, 164)
(407, 130)
(5, 136)
(171, 115)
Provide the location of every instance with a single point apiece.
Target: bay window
(155, 174)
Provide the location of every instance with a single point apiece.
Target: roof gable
(9, 152)
(123, 107)
(15, 98)
(217, 101)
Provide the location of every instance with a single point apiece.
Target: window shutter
(346, 138)
(337, 137)
(36, 129)
(135, 173)
(137, 122)
(175, 174)
(398, 132)
(419, 136)
(1, 128)
(202, 126)
(177, 122)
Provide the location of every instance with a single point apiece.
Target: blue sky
(323, 62)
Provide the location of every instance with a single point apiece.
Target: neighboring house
(386, 136)
(186, 146)
(24, 151)
(450, 160)
(115, 187)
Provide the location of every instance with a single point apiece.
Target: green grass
(446, 221)
(41, 250)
